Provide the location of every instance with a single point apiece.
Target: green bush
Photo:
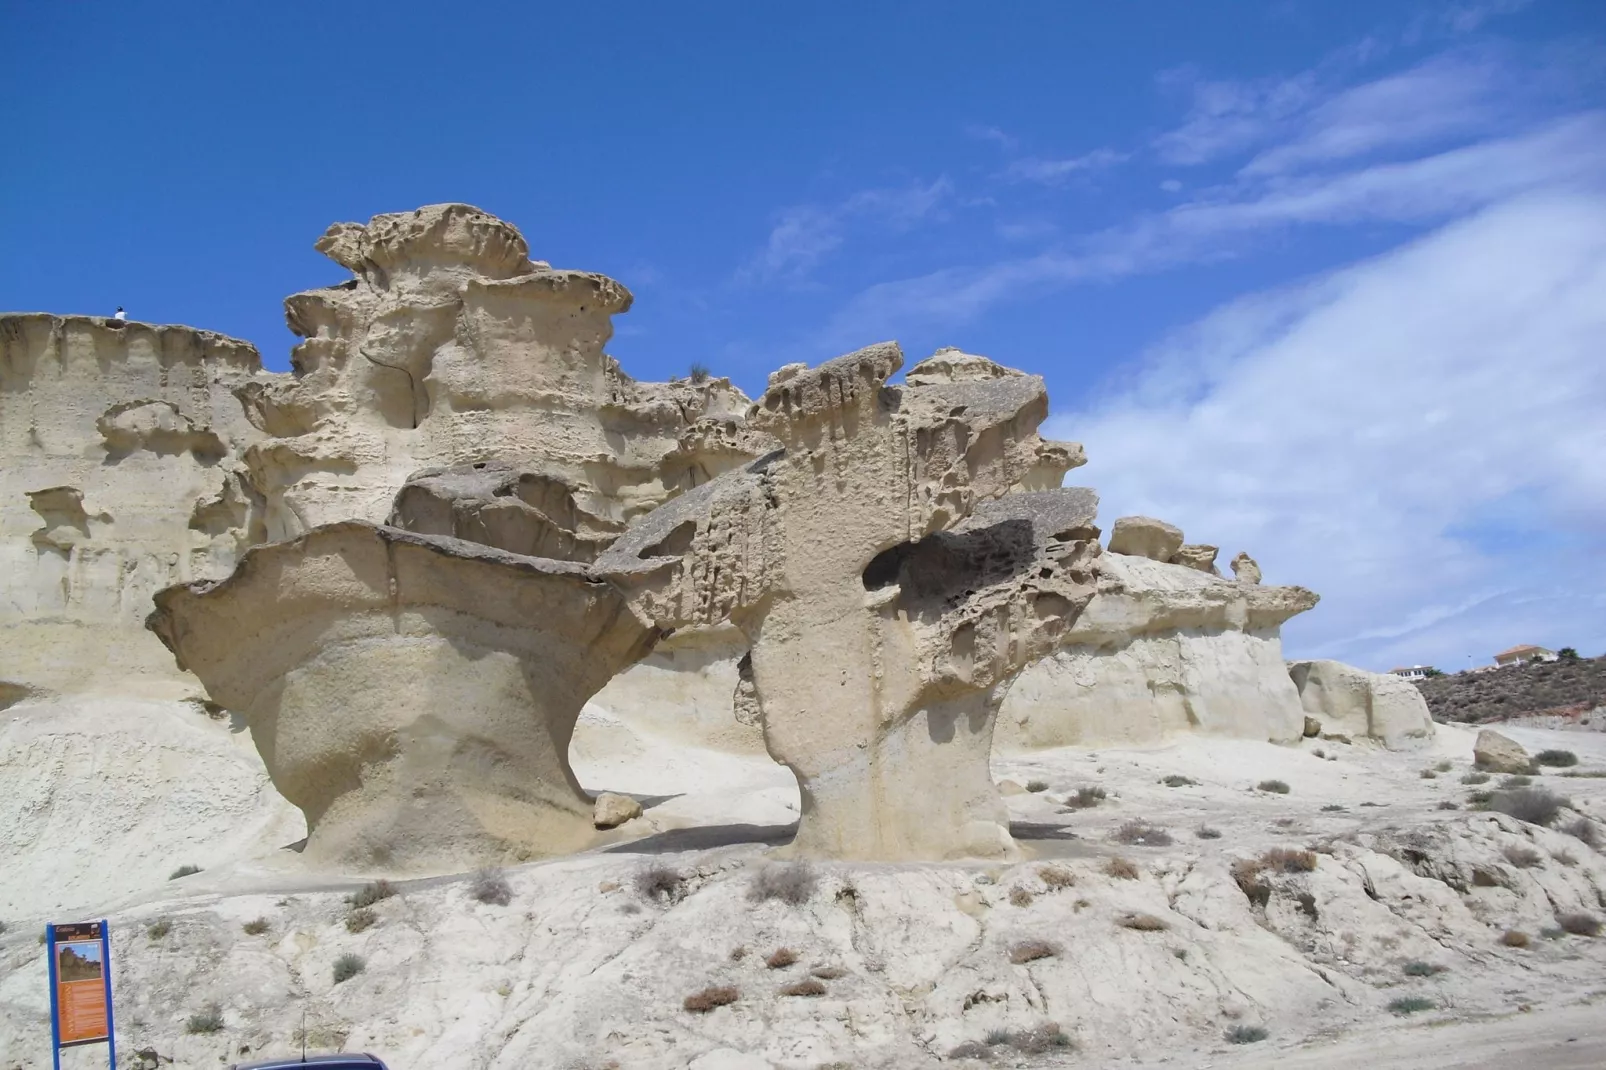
(348, 966)
(184, 871)
(1557, 758)
(1411, 1004)
(1246, 1034)
(1276, 787)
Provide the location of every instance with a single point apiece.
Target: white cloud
(1054, 172)
(806, 234)
(1228, 116)
(1417, 437)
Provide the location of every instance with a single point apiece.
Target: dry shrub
(1289, 860)
(781, 958)
(711, 997)
(791, 882)
(661, 884)
(158, 929)
(1143, 923)
(1019, 897)
(738, 954)
(1418, 968)
(1122, 869)
(806, 987)
(1515, 938)
(1411, 1004)
(1205, 832)
(361, 919)
(1536, 806)
(1334, 808)
(184, 871)
(348, 966)
(1448, 805)
(1276, 787)
(1176, 780)
(1086, 797)
(1523, 857)
(1056, 879)
(369, 894)
(255, 927)
(1558, 758)
(828, 973)
(1034, 1041)
(1035, 786)
(1579, 924)
(1428, 774)
(490, 887)
(1032, 950)
(1136, 833)
(1246, 1034)
(205, 1023)
(1584, 830)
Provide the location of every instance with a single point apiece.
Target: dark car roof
(354, 1060)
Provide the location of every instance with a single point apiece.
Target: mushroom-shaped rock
(413, 694)
(1361, 704)
(1144, 536)
(1245, 569)
(1197, 556)
(889, 602)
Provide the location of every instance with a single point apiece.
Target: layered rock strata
(413, 694)
(1162, 650)
(1363, 705)
(889, 604)
(450, 345)
(120, 445)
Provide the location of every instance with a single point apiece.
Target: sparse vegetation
(1480, 800)
(256, 926)
(1086, 797)
(1517, 781)
(1032, 950)
(1579, 924)
(1033, 1041)
(1035, 786)
(205, 1022)
(1444, 766)
(806, 987)
(1276, 787)
(1334, 808)
(1449, 804)
(1537, 806)
(184, 871)
(1056, 879)
(1141, 834)
(781, 958)
(660, 884)
(1523, 857)
(1020, 897)
(361, 920)
(1205, 832)
(1558, 758)
(371, 893)
(1122, 869)
(1428, 774)
(1552, 932)
(1475, 778)
(738, 954)
(1566, 687)
(1143, 923)
(1246, 1034)
(709, 998)
(1411, 1004)
(1176, 780)
(1515, 938)
(791, 882)
(698, 373)
(1418, 968)
(489, 886)
(828, 973)
(348, 966)
(1249, 873)
(158, 928)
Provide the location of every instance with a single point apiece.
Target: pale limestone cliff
(1363, 705)
(449, 345)
(888, 603)
(1162, 650)
(120, 474)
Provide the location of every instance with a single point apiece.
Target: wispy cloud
(991, 133)
(804, 235)
(1225, 117)
(1055, 172)
(1358, 433)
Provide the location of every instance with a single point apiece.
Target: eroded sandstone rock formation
(414, 694)
(450, 345)
(120, 445)
(1363, 705)
(1163, 649)
(888, 601)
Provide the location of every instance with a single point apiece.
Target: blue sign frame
(110, 1039)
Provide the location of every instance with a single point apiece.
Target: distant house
(1415, 672)
(1522, 655)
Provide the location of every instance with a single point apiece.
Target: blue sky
(1324, 282)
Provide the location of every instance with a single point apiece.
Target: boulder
(1500, 754)
(1313, 727)
(613, 810)
(1144, 536)
(1359, 704)
(1244, 568)
(1197, 556)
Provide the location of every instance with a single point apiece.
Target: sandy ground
(580, 971)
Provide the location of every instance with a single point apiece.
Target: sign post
(80, 987)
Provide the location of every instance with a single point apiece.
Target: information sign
(80, 987)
